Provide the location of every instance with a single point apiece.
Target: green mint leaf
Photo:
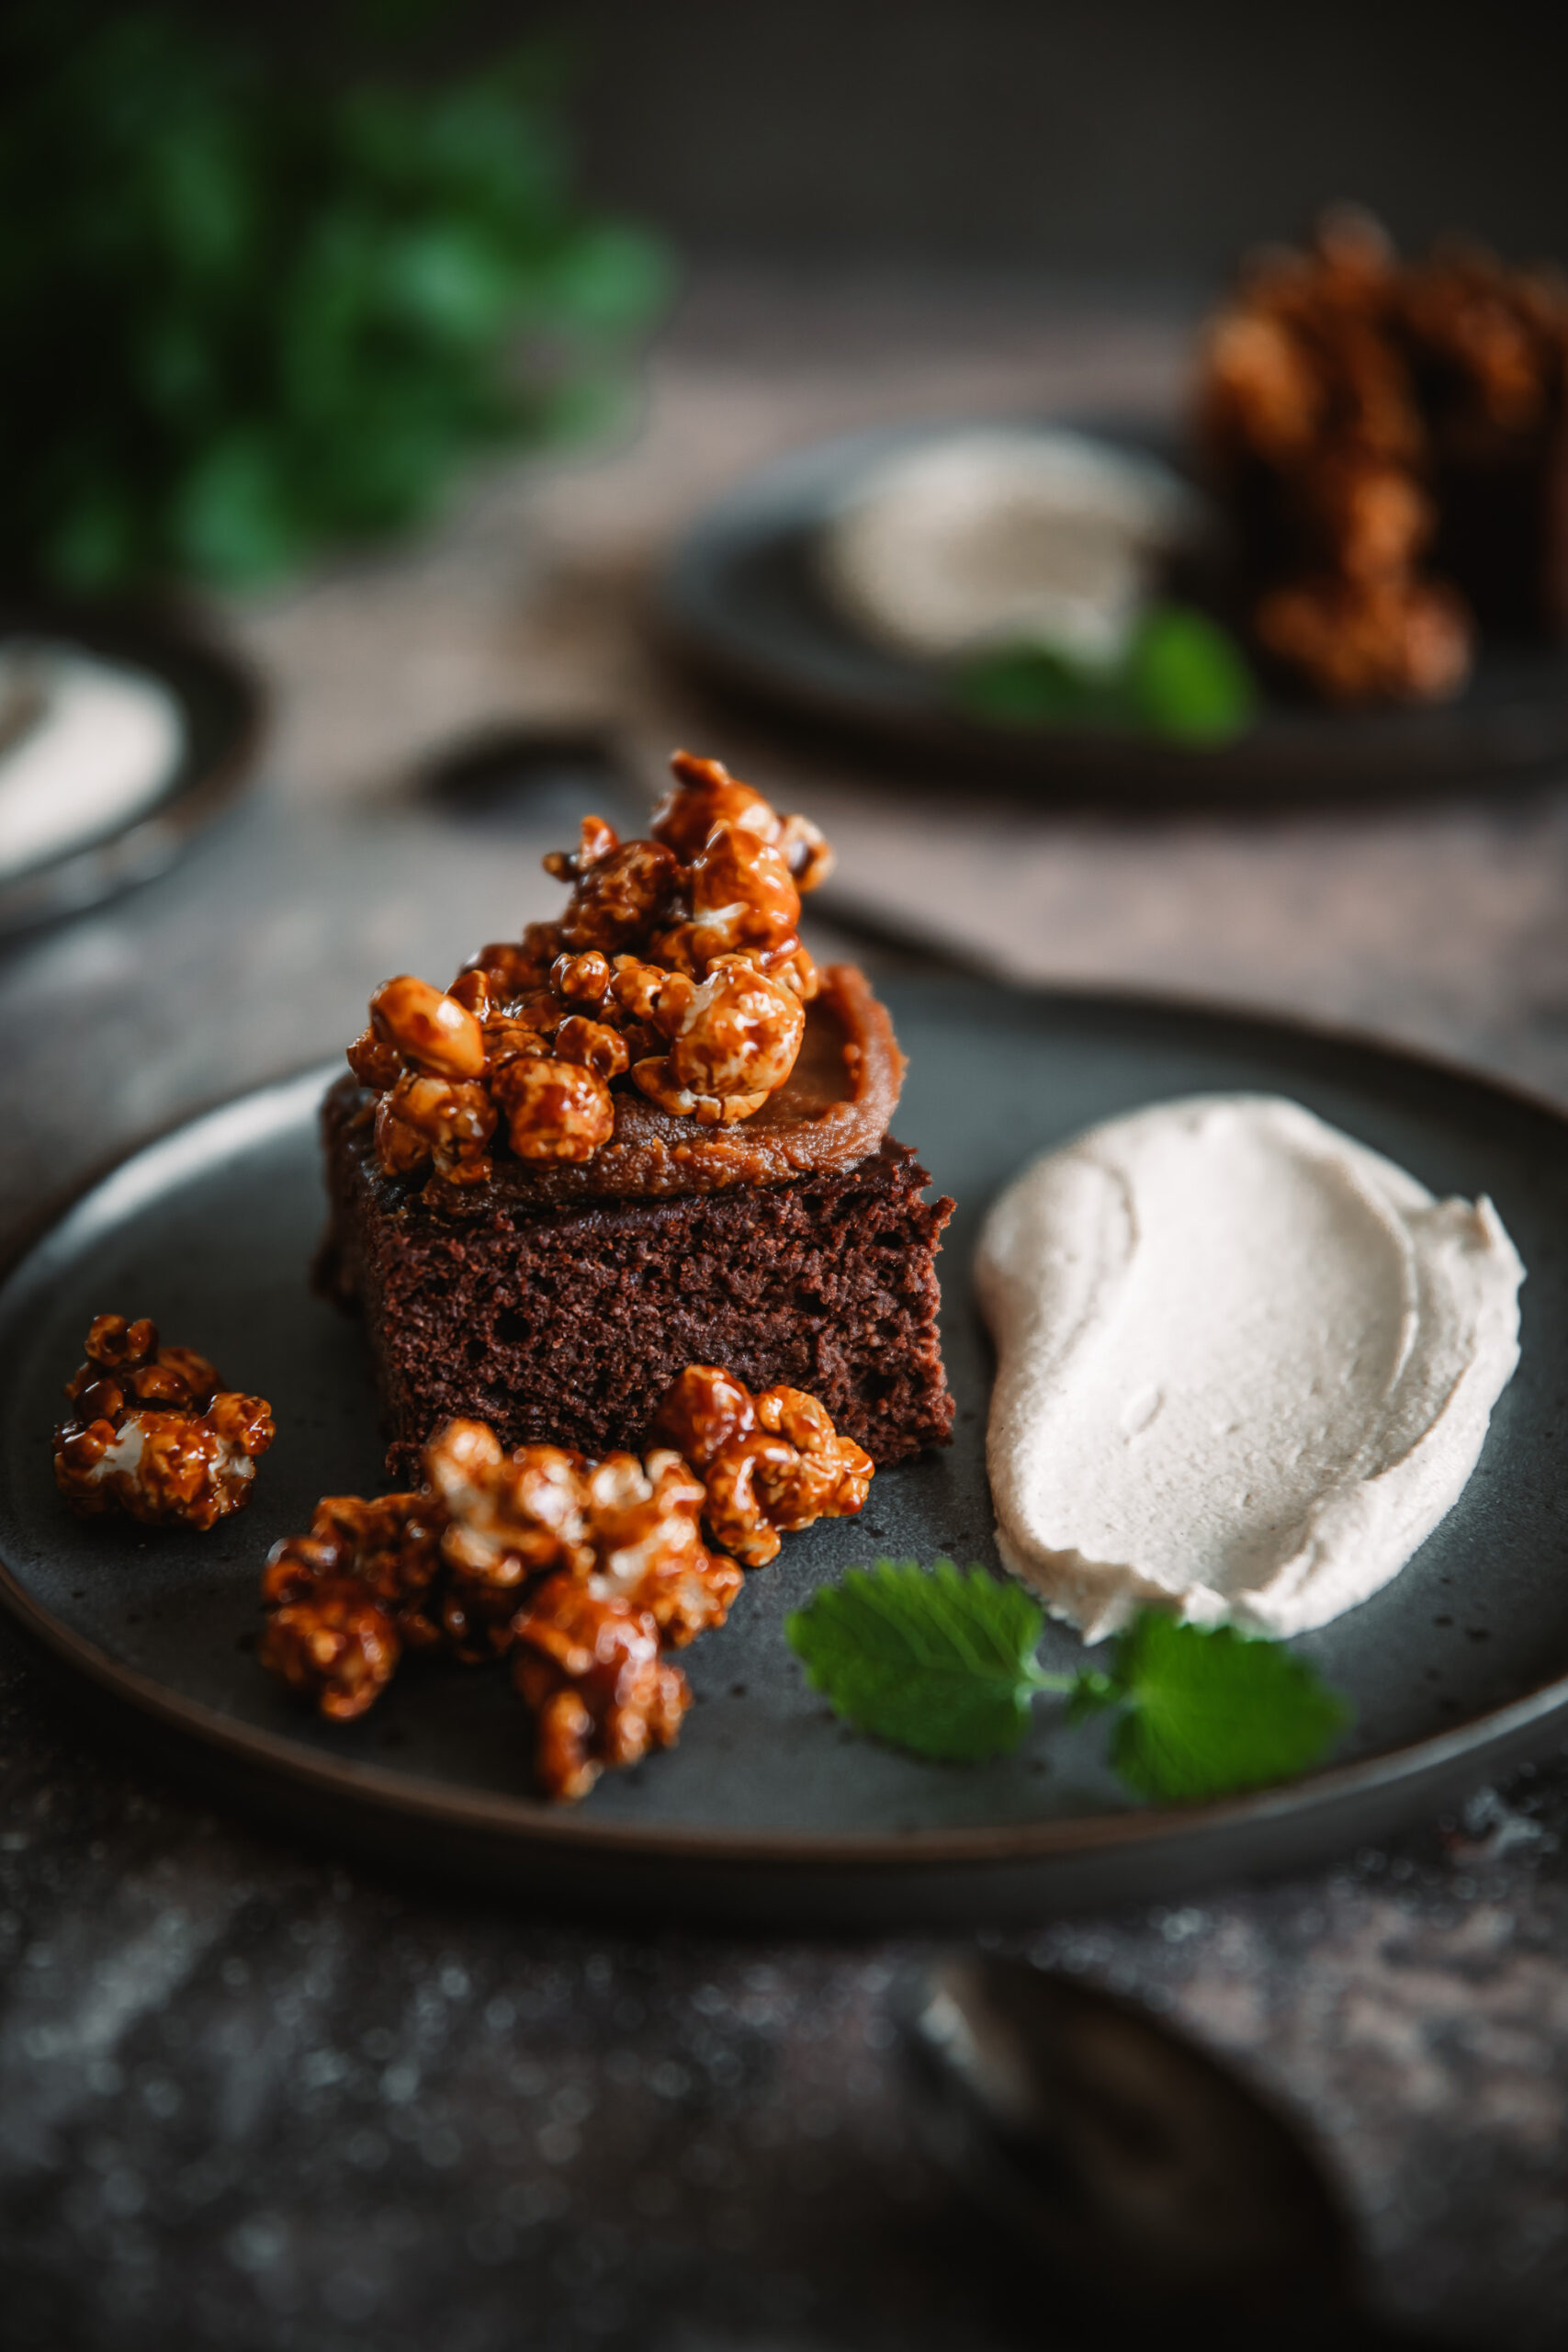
(1036, 686)
(939, 1661)
(1208, 1711)
(1185, 677)
(1181, 675)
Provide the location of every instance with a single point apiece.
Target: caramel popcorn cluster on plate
(1342, 392)
(582, 1575)
(154, 1432)
(676, 968)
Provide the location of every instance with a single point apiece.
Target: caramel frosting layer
(832, 1112)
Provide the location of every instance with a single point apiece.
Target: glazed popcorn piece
(588, 1665)
(771, 1463)
(510, 1518)
(388, 1549)
(584, 1574)
(339, 1646)
(154, 1431)
(677, 968)
(1379, 640)
(647, 1519)
(733, 1040)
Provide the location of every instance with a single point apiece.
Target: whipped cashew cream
(1246, 1366)
(976, 537)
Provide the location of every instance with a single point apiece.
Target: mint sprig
(1181, 675)
(942, 1661)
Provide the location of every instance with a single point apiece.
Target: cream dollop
(976, 537)
(1246, 1366)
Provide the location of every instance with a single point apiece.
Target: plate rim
(530, 1821)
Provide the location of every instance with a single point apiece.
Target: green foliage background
(242, 316)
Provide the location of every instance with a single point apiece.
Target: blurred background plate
(769, 1807)
(739, 601)
(219, 706)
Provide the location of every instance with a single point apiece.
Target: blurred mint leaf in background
(1181, 675)
(1186, 676)
(248, 317)
(1034, 685)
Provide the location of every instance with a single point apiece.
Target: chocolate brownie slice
(568, 1321)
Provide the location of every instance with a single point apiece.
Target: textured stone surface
(255, 2096)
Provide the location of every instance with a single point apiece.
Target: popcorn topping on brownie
(677, 967)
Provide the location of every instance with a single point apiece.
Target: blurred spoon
(1152, 2180)
(517, 778)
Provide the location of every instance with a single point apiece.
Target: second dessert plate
(770, 1808)
(740, 601)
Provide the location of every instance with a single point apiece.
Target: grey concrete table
(257, 2098)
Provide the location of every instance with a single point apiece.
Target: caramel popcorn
(338, 1646)
(588, 1665)
(554, 1110)
(389, 1547)
(677, 968)
(647, 1517)
(771, 1463)
(593, 1044)
(434, 1032)
(620, 892)
(1379, 640)
(510, 1516)
(585, 1574)
(1347, 400)
(154, 1432)
(436, 1119)
(738, 1030)
(1492, 335)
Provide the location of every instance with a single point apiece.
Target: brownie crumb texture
(568, 1325)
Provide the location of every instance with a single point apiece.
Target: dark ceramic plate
(221, 705)
(739, 601)
(770, 1807)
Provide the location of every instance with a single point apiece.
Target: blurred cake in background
(1390, 443)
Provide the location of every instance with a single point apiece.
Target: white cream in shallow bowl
(88, 745)
(1246, 1366)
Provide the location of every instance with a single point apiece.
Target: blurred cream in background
(972, 539)
(85, 746)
